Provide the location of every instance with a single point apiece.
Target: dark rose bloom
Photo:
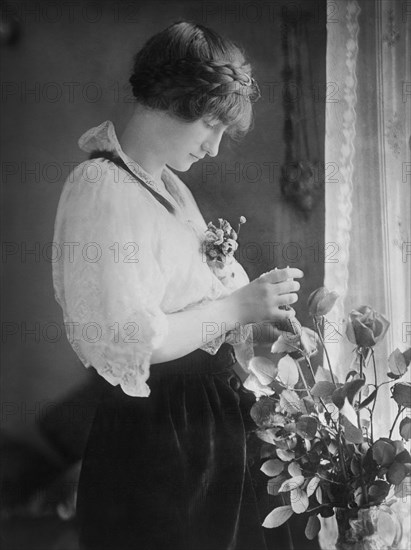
(321, 301)
(366, 327)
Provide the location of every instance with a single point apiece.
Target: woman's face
(184, 143)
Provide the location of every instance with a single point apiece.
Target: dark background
(65, 70)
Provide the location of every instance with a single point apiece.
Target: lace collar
(104, 137)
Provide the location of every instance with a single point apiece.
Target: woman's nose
(211, 151)
(212, 145)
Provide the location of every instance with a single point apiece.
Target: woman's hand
(262, 299)
(255, 302)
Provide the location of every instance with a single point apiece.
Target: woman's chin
(182, 166)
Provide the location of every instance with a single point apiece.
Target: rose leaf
(278, 516)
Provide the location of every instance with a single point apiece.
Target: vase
(373, 528)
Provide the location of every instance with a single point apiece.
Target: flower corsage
(220, 244)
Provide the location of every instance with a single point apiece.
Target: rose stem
(303, 379)
(307, 360)
(375, 400)
(361, 375)
(325, 349)
(341, 453)
(337, 428)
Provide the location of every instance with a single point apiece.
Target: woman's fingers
(280, 275)
(287, 299)
(262, 299)
(286, 287)
(282, 288)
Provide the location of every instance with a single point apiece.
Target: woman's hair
(192, 72)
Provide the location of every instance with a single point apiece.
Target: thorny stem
(330, 480)
(341, 454)
(307, 360)
(359, 394)
(400, 411)
(340, 449)
(375, 400)
(361, 364)
(317, 328)
(363, 485)
(300, 370)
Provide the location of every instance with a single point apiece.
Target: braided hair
(191, 71)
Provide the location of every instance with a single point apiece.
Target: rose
(366, 327)
(321, 301)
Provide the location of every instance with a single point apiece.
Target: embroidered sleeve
(108, 280)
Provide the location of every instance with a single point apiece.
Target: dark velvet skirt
(170, 471)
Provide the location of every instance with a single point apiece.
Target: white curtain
(368, 163)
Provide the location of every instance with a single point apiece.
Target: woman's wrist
(230, 312)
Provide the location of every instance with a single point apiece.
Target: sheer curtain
(367, 151)
(368, 162)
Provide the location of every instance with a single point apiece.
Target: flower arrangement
(319, 449)
(220, 243)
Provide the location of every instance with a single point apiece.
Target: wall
(66, 74)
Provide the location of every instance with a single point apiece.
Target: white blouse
(126, 262)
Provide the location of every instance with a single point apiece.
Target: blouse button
(235, 382)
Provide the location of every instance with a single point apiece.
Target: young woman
(165, 465)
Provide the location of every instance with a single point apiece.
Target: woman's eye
(211, 125)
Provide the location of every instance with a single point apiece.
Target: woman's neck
(139, 141)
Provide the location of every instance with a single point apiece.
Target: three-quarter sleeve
(107, 277)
